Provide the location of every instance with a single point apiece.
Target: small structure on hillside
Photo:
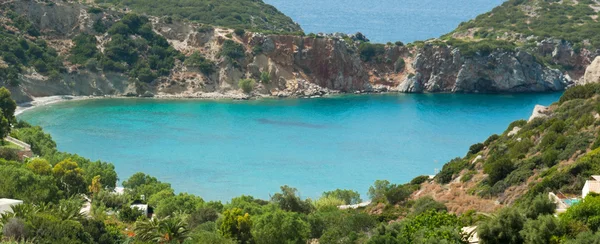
(591, 185)
(6, 204)
(141, 207)
(24, 150)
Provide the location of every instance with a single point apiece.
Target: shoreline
(48, 100)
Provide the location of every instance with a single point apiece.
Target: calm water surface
(384, 20)
(223, 149)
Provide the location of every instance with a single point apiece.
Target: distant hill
(244, 14)
(534, 20)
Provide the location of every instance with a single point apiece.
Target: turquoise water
(222, 149)
(384, 20)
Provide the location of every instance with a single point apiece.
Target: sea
(223, 149)
(384, 20)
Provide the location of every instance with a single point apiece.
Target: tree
(20, 183)
(431, 225)
(545, 229)
(96, 186)
(69, 177)
(540, 205)
(348, 196)
(40, 166)
(278, 226)
(378, 190)
(503, 228)
(288, 201)
(497, 170)
(236, 225)
(182, 203)
(586, 212)
(166, 230)
(7, 107)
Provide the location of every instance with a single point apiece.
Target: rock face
(592, 72)
(442, 69)
(538, 112)
(295, 65)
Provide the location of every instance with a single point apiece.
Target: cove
(222, 149)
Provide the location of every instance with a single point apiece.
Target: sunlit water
(384, 20)
(222, 149)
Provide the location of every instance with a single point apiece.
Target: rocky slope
(302, 66)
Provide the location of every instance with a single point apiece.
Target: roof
(6, 204)
(596, 177)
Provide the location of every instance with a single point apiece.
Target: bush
(247, 85)
(129, 214)
(367, 50)
(399, 43)
(397, 193)
(475, 148)
(239, 32)
(498, 169)
(419, 180)
(491, 139)
(232, 50)
(399, 65)
(265, 77)
(206, 66)
(451, 169)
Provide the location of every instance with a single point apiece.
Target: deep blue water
(384, 20)
(222, 149)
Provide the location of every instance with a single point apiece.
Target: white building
(6, 204)
(141, 207)
(591, 185)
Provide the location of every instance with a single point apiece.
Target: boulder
(592, 72)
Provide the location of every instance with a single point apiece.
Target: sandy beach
(41, 101)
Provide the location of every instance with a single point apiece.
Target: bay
(223, 149)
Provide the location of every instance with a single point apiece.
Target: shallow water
(384, 20)
(222, 149)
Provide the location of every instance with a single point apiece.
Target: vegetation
(573, 21)
(18, 51)
(241, 14)
(196, 60)
(52, 187)
(247, 85)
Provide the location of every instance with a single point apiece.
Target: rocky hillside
(556, 150)
(150, 56)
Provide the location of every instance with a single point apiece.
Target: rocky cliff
(302, 66)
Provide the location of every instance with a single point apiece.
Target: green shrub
(450, 170)
(475, 148)
(498, 169)
(232, 50)
(239, 32)
(265, 77)
(247, 85)
(367, 50)
(399, 65)
(206, 66)
(419, 180)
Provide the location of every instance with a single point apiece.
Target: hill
(534, 20)
(244, 14)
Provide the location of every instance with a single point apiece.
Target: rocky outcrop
(444, 69)
(592, 73)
